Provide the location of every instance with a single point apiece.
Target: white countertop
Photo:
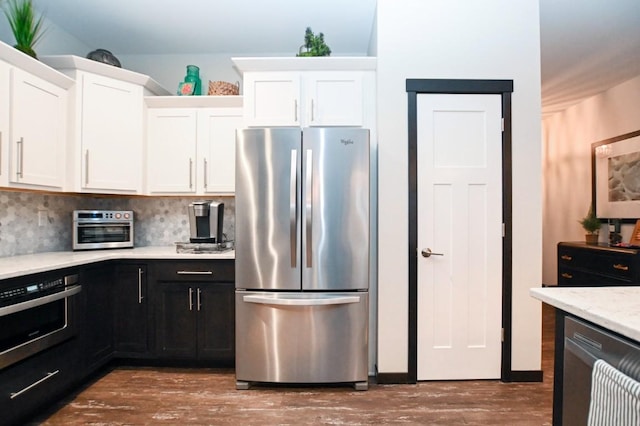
(14, 266)
(613, 308)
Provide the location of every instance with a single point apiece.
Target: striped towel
(615, 397)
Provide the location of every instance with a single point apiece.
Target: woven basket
(222, 88)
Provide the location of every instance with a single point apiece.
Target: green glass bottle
(193, 76)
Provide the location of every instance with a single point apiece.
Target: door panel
(267, 205)
(301, 337)
(460, 217)
(335, 209)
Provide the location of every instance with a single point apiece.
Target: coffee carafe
(205, 222)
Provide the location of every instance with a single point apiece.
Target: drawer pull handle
(566, 257)
(195, 273)
(567, 275)
(32, 385)
(620, 267)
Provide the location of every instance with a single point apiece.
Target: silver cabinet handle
(190, 173)
(312, 114)
(140, 272)
(32, 385)
(190, 299)
(428, 253)
(320, 301)
(295, 110)
(86, 167)
(195, 273)
(20, 143)
(205, 174)
(198, 299)
(293, 207)
(309, 207)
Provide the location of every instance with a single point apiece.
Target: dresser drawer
(592, 265)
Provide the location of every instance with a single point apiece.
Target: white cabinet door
(217, 148)
(333, 98)
(38, 131)
(272, 99)
(305, 98)
(5, 84)
(171, 150)
(111, 134)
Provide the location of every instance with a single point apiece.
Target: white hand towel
(615, 397)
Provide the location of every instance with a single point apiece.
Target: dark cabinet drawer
(35, 382)
(195, 271)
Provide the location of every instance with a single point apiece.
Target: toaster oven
(102, 229)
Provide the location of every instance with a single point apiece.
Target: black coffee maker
(205, 222)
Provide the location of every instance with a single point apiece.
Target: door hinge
(504, 231)
(502, 335)
(502, 124)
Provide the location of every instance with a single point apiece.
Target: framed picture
(615, 167)
(635, 237)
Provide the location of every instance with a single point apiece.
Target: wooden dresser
(581, 264)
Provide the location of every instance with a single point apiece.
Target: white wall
(491, 39)
(567, 139)
(55, 41)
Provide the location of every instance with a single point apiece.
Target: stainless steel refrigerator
(302, 255)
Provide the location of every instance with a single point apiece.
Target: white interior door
(460, 217)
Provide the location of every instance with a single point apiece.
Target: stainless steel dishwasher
(584, 344)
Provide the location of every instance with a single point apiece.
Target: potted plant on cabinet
(26, 28)
(591, 224)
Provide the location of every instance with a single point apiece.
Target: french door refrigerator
(302, 256)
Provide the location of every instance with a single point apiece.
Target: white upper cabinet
(326, 98)
(34, 105)
(5, 84)
(307, 91)
(37, 146)
(109, 123)
(171, 150)
(191, 148)
(107, 133)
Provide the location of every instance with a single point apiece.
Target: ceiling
(587, 46)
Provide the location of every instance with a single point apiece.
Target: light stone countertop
(15, 266)
(613, 308)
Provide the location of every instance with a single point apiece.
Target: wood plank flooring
(169, 396)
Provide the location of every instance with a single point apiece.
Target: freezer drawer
(302, 337)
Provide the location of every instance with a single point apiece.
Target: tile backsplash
(34, 222)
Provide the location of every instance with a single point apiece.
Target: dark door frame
(500, 87)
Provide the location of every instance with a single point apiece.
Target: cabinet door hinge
(502, 124)
(502, 335)
(504, 231)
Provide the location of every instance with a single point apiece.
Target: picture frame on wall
(615, 177)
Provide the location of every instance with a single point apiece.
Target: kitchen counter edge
(15, 266)
(613, 308)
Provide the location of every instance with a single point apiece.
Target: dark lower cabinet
(158, 311)
(97, 327)
(581, 264)
(30, 385)
(131, 317)
(195, 311)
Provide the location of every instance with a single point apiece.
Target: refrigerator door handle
(309, 207)
(266, 300)
(293, 207)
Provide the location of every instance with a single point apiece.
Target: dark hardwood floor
(150, 396)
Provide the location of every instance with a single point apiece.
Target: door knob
(428, 253)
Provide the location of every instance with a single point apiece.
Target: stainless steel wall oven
(36, 312)
(101, 229)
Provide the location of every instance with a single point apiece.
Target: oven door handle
(23, 306)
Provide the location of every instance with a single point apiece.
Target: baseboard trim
(392, 378)
(525, 376)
